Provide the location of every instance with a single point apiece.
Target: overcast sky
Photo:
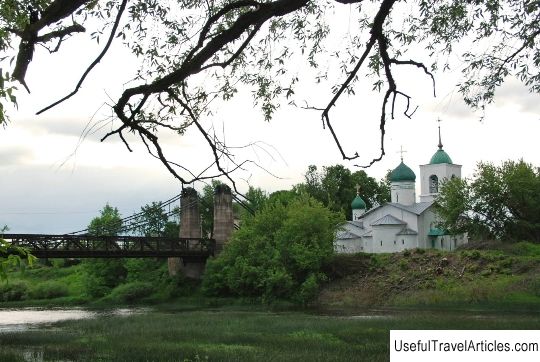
(54, 182)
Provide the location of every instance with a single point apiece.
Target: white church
(402, 223)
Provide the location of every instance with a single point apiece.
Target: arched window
(453, 176)
(433, 184)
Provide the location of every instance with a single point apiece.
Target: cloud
(55, 126)
(513, 92)
(14, 155)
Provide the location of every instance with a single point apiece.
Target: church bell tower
(439, 169)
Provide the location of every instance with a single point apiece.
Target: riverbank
(488, 277)
(491, 276)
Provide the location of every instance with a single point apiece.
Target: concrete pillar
(190, 227)
(223, 216)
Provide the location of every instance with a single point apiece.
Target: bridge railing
(87, 246)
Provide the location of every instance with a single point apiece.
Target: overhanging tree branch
(94, 63)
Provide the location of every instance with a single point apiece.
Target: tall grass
(236, 335)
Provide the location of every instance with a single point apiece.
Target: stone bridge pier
(223, 216)
(190, 227)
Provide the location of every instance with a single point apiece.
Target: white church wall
(425, 222)
(348, 246)
(384, 237)
(405, 242)
(403, 192)
(357, 214)
(367, 244)
(408, 217)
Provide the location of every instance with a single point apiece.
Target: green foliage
(500, 202)
(144, 269)
(15, 291)
(132, 292)
(335, 187)
(207, 208)
(278, 253)
(48, 290)
(102, 275)
(109, 222)
(152, 221)
(155, 221)
(13, 257)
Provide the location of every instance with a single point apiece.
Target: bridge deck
(86, 246)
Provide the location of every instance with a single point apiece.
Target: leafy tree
(252, 44)
(152, 220)
(278, 253)
(207, 208)
(335, 187)
(108, 223)
(102, 275)
(501, 202)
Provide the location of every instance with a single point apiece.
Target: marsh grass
(226, 334)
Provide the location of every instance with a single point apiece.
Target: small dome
(440, 157)
(358, 203)
(402, 173)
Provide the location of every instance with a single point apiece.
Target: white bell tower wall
(433, 175)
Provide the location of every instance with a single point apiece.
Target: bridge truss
(86, 246)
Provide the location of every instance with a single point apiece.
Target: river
(30, 318)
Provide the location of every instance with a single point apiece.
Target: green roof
(437, 232)
(402, 173)
(358, 203)
(440, 157)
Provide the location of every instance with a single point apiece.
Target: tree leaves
(501, 202)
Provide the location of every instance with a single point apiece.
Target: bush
(10, 292)
(49, 290)
(132, 292)
(144, 270)
(102, 275)
(279, 253)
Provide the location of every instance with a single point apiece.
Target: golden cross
(357, 190)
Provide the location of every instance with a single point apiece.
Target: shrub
(13, 292)
(131, 292)
(279, 253)
(102, 275)
(49, 290)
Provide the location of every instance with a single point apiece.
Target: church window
(453, 176)
(442, 243)
(381, 242)
(394, 242)
(433, 184)
(402, 241)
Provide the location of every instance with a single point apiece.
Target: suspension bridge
(189, 247)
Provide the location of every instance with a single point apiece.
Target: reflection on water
(22, 319)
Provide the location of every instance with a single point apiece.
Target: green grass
(238, 335)
(496, 276)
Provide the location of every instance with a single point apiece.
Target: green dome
(402, 173)
(358, 203)
(440, 157)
